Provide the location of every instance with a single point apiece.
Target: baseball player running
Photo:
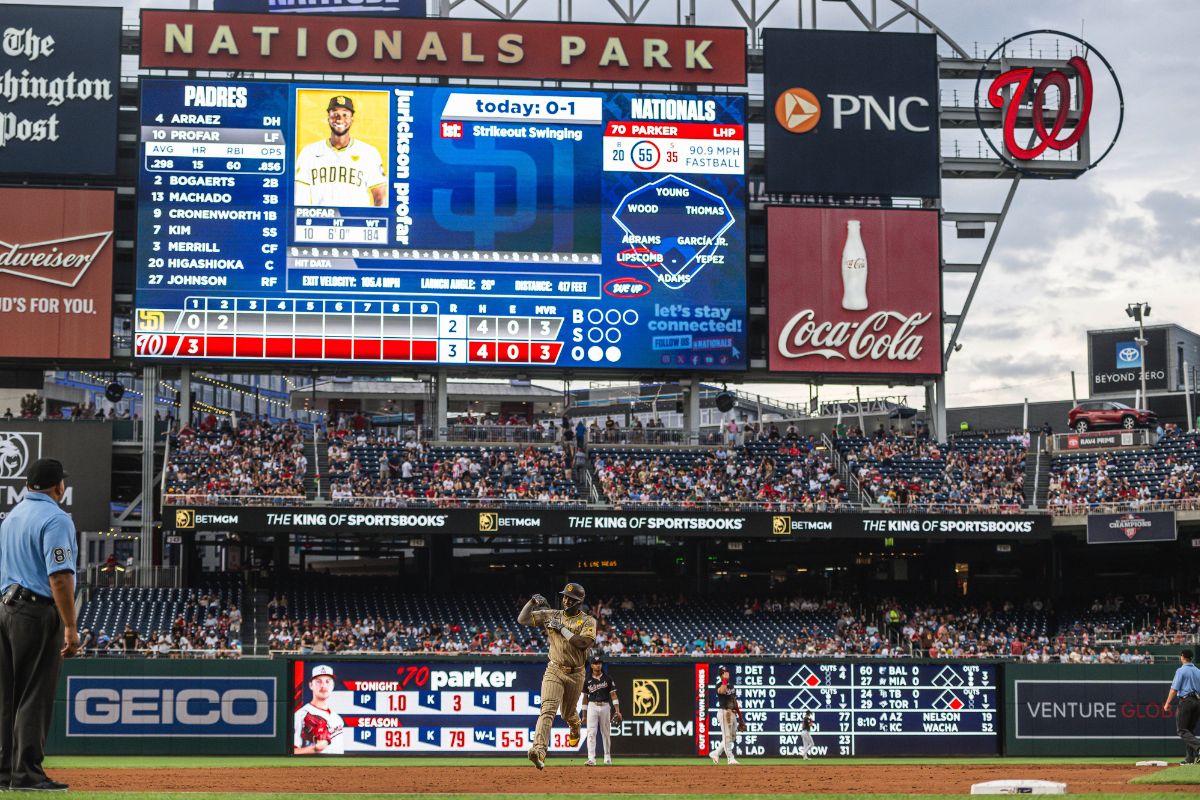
(806, 739)
(601, 709)
(571, 632)
(340, 170)
(730, 716)
(318, 729)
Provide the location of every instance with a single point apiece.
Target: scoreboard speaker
(724, 402)
(114, 392)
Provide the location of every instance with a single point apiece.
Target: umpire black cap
(45, 473)
(574, 591)
(340, 101)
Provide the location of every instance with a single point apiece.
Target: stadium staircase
(254, 640)
(318, 477)
(1037, 476)
(854, 491)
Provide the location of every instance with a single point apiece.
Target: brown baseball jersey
(561, 650)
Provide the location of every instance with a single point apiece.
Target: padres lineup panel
(452, 225)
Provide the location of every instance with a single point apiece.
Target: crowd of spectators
(792, 473)
(255, 459)
(787, 627)
(1165, 475)
(395, 471)
(206, 628)
(908, 473)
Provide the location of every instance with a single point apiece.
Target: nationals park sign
(459, 48)
(633, 522)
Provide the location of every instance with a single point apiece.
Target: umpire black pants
(31, 638)
(1185, 722)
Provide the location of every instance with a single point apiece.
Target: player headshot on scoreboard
(316, 727)
(340, 169)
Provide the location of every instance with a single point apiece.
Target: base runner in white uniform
(601, 709)
(729, 714)
(806, 735)
(316, 727)
(340, 171)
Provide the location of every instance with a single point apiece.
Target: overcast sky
(1072, 253)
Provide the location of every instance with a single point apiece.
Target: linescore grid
(863, 709)
(446, 225)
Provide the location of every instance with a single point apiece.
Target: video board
(441, 225)
(859, 709)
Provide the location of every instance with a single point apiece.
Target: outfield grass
(204, 762)
(1176, 776)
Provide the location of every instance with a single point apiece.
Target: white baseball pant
(807, 740)
(599, 717)
(728, 719)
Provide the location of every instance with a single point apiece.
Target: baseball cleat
(716, 757)
(732, 760)
(538, 760)
(573, 736)
(608, 762)
(589, 763)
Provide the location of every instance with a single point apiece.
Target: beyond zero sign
(170, 707)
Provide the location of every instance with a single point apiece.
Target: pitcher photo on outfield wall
(854, 268)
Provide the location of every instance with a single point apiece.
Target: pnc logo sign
(799, 111)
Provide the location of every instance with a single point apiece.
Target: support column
(149, 406)
(185, 397)
(939, 413)
(441, 404)
(691, 413)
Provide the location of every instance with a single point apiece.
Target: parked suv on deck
(1108, 414)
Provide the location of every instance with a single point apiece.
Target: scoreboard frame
(530, 358)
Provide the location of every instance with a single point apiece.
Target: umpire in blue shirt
(1186, 685)
(37, 622)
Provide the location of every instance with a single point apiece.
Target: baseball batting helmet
(574, 591)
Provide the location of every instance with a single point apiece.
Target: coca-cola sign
(56, 258)
(854, 291)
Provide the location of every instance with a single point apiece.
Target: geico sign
(170, 706)
(166, 707)
(799, 111)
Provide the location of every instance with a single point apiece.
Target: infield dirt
(702, 779)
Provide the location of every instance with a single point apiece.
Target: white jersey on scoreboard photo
(329, 176)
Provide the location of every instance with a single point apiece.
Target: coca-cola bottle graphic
(854, 268)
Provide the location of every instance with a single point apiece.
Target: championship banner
(618, 522)
(459, 48)
(1132, 526)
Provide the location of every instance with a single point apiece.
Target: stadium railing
(207, 499)
(1070, 509)
(522, 434)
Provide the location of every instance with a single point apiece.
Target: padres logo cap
(340, 101)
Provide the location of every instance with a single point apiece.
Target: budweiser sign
(62, 262)
(56, 256)
(854, 291)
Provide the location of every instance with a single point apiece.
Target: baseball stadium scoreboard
(382, 224)
(858, 708)
(864, 709)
